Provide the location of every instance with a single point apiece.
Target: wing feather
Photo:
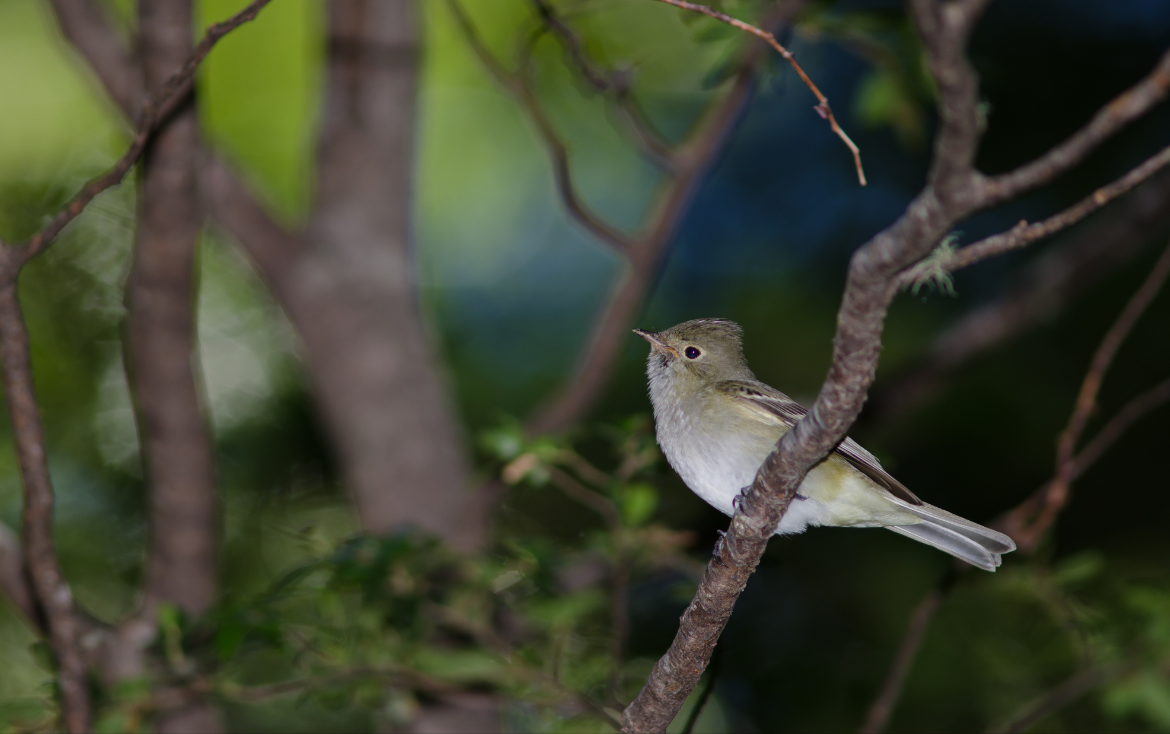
(772, 403)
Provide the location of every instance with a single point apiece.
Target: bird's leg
(735, 503)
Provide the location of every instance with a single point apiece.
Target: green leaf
(504, 442)
(638, 502)
(1146, 694)
(1078, 569)
(460, 666)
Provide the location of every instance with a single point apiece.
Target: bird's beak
(656, 342)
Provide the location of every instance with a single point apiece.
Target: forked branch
(953, 193)
(1030, 520)
(1028, 523)
(49, 586)
(645, 249)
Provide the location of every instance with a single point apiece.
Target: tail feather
(993, 541)
(949, 541)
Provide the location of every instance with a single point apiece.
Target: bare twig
(615, 84)
(822, 107)
(154, 109)
(517, 84)
(1036, 295)
(52, 593)
(1024, 234)
(952, 194)
(693, 158)
(1062, 695)
(883, 705)
(89, 30)
(1125, 108)
(1131, 413)
(1028, 522)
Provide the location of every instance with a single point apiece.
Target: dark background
(510, 284)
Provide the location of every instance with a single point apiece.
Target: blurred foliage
(322, 629)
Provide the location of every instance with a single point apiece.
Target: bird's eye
(692, 353)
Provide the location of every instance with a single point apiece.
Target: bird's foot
(739, 498)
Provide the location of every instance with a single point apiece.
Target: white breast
(716, 471)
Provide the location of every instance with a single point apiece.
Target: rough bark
(40, 557)
(1036, 296)
(160, 337)
(347, 285)
(954, 191)
(350, 291)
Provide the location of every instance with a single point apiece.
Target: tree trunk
(350, 289)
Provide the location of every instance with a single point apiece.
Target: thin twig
(1125, 108)
(883, 705)
(612, 325)
(1060, 696)
(822, 107)
(154, 109)
(1024, 234)
(1036, 295)
(614, 84)
(40, 555)
(1134, 410)
(1032, 519)
(52, 592)
(518, 86)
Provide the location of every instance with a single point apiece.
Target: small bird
(716, 423)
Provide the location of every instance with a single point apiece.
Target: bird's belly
(833, 493)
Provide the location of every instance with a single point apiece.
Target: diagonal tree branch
(14, 584)
(52, 593)
(949, 197)
(613, 83)
(1028, 522)
(85, 26)
(1050, 282)
(1024, 234)
(644, 251)
(1124, 109)
(155, 109)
